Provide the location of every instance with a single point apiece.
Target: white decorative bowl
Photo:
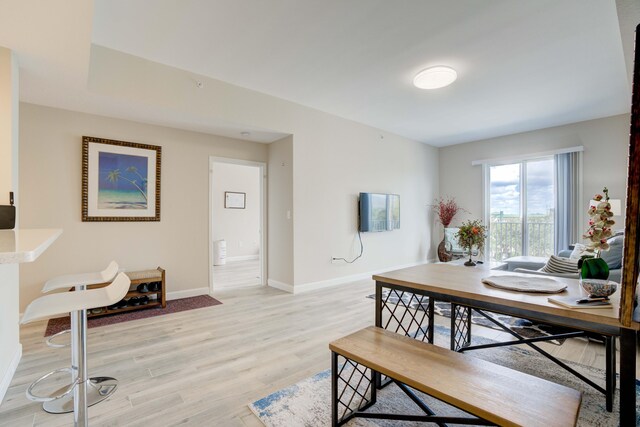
(598, 288)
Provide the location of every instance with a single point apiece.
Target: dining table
(404, 302)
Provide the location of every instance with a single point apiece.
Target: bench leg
(334, 389)
(357, 412)
(374, 390)
(353, 397)
(460, 326)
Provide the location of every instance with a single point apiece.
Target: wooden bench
(493, 393)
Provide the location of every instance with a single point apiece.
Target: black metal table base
(354, 397)
(611, 332)
(398, 316)
(401, 319)
(461, 342)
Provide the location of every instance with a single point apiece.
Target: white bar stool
(99, 388)
(77, 303)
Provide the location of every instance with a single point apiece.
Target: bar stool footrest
(58, 394)
(98, 389)
(50, 343)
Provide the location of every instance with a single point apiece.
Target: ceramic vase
(444, 249)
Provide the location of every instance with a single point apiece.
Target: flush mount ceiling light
(435, 77)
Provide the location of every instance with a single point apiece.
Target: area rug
(174, 306)
(308, 402)
(524, 327)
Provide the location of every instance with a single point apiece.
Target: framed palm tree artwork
(120, 180)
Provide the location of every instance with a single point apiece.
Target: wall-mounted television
(379, 212)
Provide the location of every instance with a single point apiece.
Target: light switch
(288, 214)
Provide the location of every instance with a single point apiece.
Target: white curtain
(567, 187)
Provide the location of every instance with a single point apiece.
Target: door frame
(262, 253)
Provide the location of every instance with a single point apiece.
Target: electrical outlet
(333, 260)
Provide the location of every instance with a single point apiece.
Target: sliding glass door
(521, 200)
(505, 211)
(540, 207)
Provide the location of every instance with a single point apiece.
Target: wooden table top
(466, 282)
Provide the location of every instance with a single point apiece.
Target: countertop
(25, 245)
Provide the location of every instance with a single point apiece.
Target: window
(521, 208)
(532, 203)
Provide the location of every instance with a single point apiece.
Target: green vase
(594, 268)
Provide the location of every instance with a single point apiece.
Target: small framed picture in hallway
(234, 200)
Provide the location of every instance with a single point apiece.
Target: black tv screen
(379, 212)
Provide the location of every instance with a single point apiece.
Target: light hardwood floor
(236, 274)
(202, 367)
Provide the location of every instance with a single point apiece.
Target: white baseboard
(242, 258)
(187, 293)
(304, 287)
(312, 286)
(11, 370)
(280, 285)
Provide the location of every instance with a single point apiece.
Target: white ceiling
(522, 65)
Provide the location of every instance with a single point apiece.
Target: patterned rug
(308, 402)
(174, 306)
(524, 327)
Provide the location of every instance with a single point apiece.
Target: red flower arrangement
(446, 209)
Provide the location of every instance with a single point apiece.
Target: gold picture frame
(120, 180)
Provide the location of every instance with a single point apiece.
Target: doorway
(237, 203)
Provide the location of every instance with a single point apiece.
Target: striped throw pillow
(558, 264)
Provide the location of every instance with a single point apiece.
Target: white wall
(605, 141)
(280, 213)
(333, 160)
(10, 348)
(9, 124)
(240, 228)
(332, 165)
(50, 182)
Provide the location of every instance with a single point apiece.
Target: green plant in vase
(471, 234)
(600, 223)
